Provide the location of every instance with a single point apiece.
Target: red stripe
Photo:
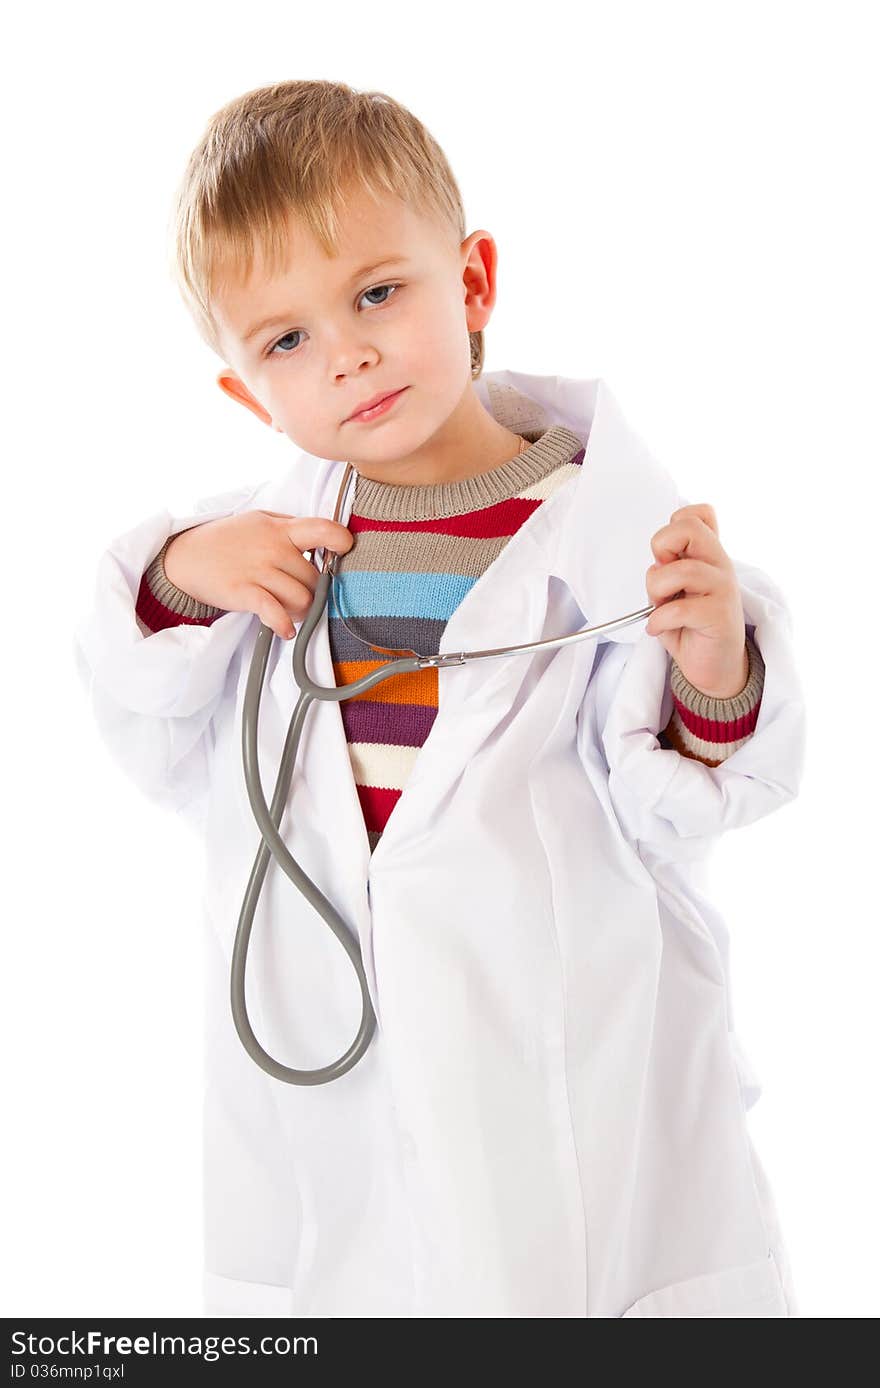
(492, 521)
(377, 803)
(157, 616)
(716, 729)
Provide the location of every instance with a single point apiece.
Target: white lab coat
(551, 1119)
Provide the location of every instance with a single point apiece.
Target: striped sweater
(417, 551)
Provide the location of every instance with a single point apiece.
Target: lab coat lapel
(604, 546)
(604, 563)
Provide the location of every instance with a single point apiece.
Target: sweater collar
(549, 448)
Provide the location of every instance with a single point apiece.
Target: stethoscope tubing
(272, 845)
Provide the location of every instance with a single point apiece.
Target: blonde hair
(298, 147)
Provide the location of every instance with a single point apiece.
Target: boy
(551, 1117)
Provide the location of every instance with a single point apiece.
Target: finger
(285, 561)
(698, 613)
(700, 509)
(294, 596)
(689, 537)
(271, 613)
(695, 577)
(314, 532)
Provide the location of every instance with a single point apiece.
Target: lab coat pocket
(752, 1289)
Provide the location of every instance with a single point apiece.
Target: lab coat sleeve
(672, 807)
(153, 695)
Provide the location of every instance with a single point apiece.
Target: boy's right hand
(255, 562)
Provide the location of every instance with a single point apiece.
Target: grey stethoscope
(268, 819)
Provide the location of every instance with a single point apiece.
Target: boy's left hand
(699, 618)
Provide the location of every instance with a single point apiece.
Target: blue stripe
(388, 593)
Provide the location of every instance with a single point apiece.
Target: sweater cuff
(710, 730)
(161, 604)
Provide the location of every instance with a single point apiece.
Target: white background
(683, 199)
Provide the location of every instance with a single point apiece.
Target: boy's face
(340, 338)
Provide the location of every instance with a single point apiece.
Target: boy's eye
(377, 289)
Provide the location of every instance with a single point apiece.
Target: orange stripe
(407, 687)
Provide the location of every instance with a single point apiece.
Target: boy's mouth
(368, 409)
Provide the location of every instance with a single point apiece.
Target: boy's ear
(232, 385)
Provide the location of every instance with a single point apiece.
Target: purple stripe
(396, 725)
